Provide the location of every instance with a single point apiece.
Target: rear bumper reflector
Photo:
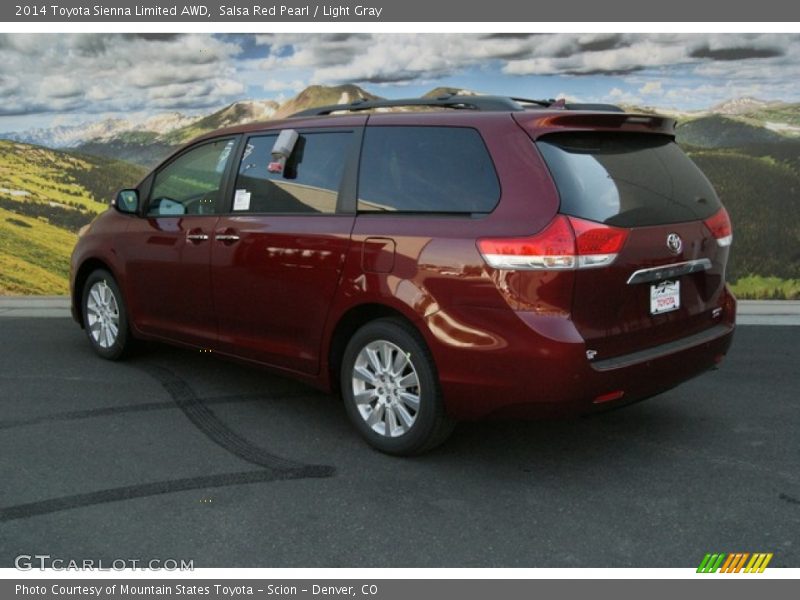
(609, 397)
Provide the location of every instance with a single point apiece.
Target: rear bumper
(540, 369)
(648, 355)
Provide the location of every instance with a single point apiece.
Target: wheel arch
(350, 322)
(87, 267)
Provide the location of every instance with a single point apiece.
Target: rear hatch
(669, 275)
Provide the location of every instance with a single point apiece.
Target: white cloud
(117, 73)
(652, 87)
(100, 72)
(620, 96)
(395, 58)
(569, 97)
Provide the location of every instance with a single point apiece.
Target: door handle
(229, 236)
(196, 236)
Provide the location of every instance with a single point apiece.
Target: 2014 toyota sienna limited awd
(480, 256)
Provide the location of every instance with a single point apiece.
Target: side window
(309, 182)
(426, 169)
(190, 184)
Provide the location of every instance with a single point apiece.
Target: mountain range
(171, 128)
(54, 181)
(147, 141)
(733, 123)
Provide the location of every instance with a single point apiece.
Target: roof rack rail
(480, 103)
(496, 103)
(544, 103)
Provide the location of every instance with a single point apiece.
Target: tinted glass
(189, 185)
(627, 180)
(426, 169)
(309, 182)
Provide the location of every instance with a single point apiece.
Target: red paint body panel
(272, 289)
(504, 342)
(167, 278)
(618, 321)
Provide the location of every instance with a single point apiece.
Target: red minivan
(490, 257)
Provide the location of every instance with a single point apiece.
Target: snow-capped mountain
(69, 136)
(72, 136)
(740, 106)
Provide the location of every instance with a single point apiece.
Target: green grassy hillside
(45, 197)
(143, 149)
(721, 132)
(762, 195)
(755, 287)
(788, 114)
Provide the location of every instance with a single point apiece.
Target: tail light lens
(597, 244)
(720, 227)
(566, 243)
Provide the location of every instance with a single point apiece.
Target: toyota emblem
(674, 243)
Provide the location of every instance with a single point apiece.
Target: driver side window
(190, 184)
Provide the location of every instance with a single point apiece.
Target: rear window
(627, 180)
(426, 169)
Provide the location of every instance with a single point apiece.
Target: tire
(105, 318)
(391, 390)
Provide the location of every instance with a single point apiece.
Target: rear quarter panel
(436, 267)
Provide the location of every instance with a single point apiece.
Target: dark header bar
(393, 589)
(373, 11)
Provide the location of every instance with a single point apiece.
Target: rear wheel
(391, 389)
(104, 316)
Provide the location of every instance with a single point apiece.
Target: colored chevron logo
(735, 563)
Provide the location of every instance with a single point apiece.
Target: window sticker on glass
(241, 200)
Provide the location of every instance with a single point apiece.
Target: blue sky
(65, 79)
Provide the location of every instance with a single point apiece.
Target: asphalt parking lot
(175, 454)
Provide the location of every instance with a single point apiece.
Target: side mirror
(127, 201)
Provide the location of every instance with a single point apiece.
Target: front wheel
(104, 316)
(391, 390)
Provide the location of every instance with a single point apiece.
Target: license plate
(665, 297)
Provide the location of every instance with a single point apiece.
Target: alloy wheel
(102, 314)
(386, 388)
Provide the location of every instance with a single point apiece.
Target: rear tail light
(566, 243)
(720, 227)
(597, 244)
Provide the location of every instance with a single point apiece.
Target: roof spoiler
(539, 125)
